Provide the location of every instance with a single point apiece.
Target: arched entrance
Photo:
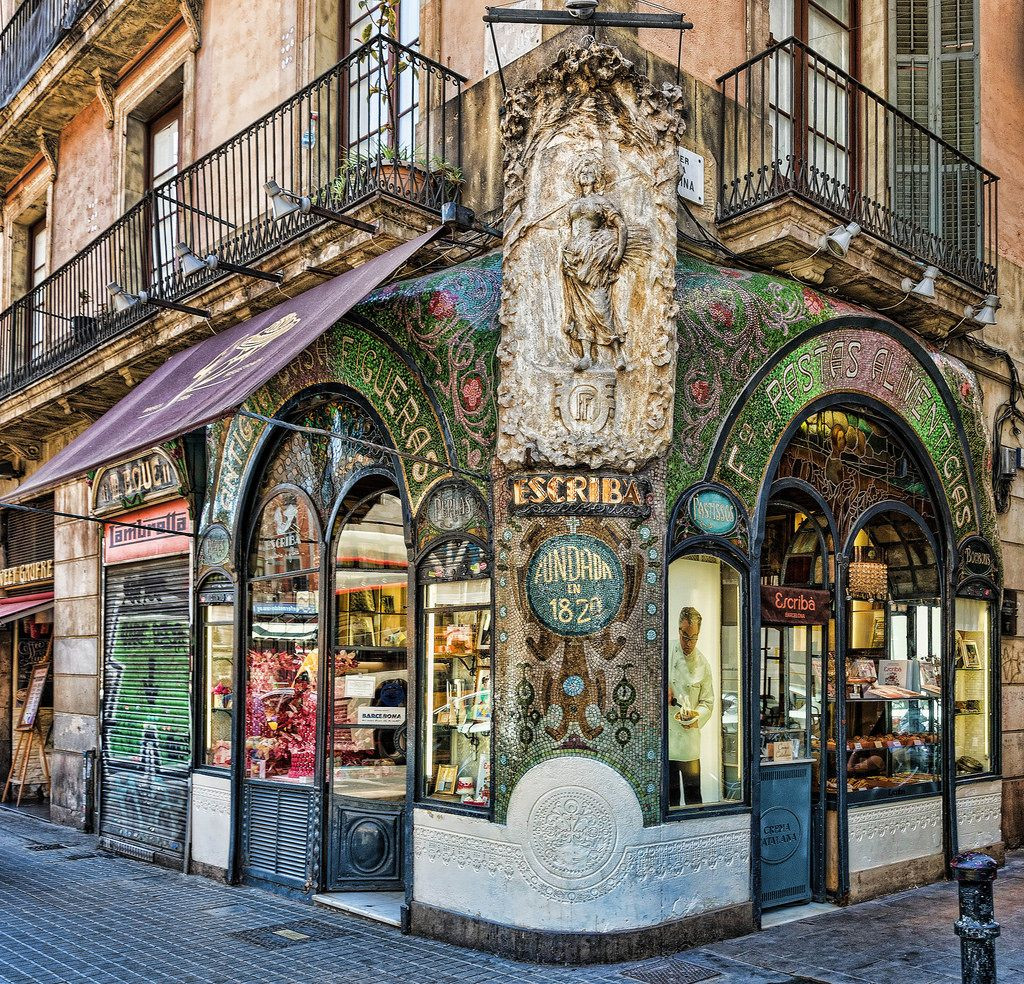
(852, 540)
(325, 668)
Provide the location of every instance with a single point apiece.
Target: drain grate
(671, 972)
(288, 934)
(46, 847)
(84, 857)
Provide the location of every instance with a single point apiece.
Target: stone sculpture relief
(588, 342)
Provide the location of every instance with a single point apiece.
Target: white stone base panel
(211, 819)
(575, 857)
(979, 815)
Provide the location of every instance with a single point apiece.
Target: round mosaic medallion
(572, 832)
(216, 546)
(574, 584)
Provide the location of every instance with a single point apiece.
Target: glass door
(367, 721)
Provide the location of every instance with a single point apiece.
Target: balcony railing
(385, 120)
(29, 36)
(796, 124)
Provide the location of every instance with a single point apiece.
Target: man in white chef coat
(691, 698)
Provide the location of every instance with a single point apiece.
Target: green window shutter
(957, 105)
(912, 92)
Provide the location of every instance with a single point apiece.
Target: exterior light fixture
(283, 203)
(837, 242)
(987, 314)
(121, 300)
(581, 9)
(192, 263)
(455, 216)
(925, 287)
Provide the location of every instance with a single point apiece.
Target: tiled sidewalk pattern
(74, 913)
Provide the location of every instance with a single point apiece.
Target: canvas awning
(214, 377)
(12, 608)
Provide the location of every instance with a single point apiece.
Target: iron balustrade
(29, 36)
(794, 123)
(385, 120)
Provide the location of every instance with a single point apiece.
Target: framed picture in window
(483, 640)
(972, 655)
(481, 710)
(447, 777)
(361, 631)
(877, 630)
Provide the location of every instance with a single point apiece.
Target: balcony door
(163, 162)
(813, 103)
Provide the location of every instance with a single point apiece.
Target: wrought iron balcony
(29, 36)
(384, 121)
(794, 124)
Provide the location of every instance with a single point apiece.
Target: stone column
(76, 650)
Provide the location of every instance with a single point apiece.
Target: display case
(457, 675)
(893, 701)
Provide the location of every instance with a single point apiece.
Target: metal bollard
(89, 788)
(976, 926)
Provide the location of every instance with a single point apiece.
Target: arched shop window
(368, 743)
(894, 666)
(704, 682)
(457, 689)
(282, 655)
(217, 654)
(973, 685)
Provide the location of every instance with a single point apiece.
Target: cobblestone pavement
(69, 913)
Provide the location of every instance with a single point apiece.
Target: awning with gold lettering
(215, 376)
(12, 608)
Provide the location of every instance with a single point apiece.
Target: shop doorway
(369, 685)
(797, 636)
(853, 698)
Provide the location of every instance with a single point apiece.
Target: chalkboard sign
(36, 685)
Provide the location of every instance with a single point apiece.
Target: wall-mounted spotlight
(581, 9)
(925, 287)
(986, 315)
(122, 300)
(455, 216)
(192, 263)
(837, 242)
(284, 202)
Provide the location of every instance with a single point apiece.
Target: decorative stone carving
(895, 832)
(105, 94)
(578, 856)
(192, 14)
(49, 144)
(979, 815)
(588, 341)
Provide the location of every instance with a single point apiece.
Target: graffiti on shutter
(146, 735)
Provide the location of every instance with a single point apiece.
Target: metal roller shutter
(146, 734)
(29, 535)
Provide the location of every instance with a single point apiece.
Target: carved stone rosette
(588, 316)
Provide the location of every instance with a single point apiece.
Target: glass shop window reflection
(704, 683)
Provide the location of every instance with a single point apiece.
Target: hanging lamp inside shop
(869, 576)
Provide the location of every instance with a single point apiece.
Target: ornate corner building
(550, 482)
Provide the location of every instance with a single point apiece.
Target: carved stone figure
(590, 266)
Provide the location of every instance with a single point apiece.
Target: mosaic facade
(734, 324)
(578, 618)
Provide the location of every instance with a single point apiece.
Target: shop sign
(381, 717)
(976, 559)
(574, 584)
(452, 507)
(575, 494)
(39, 570)
(147, 478)
(124, 543)
(794, 606)
(781, 835)
(713, 513)
(844, 362)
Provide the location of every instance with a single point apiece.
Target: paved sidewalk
(70, 913)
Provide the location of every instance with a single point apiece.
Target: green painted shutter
(146, 723)
(935, 82)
